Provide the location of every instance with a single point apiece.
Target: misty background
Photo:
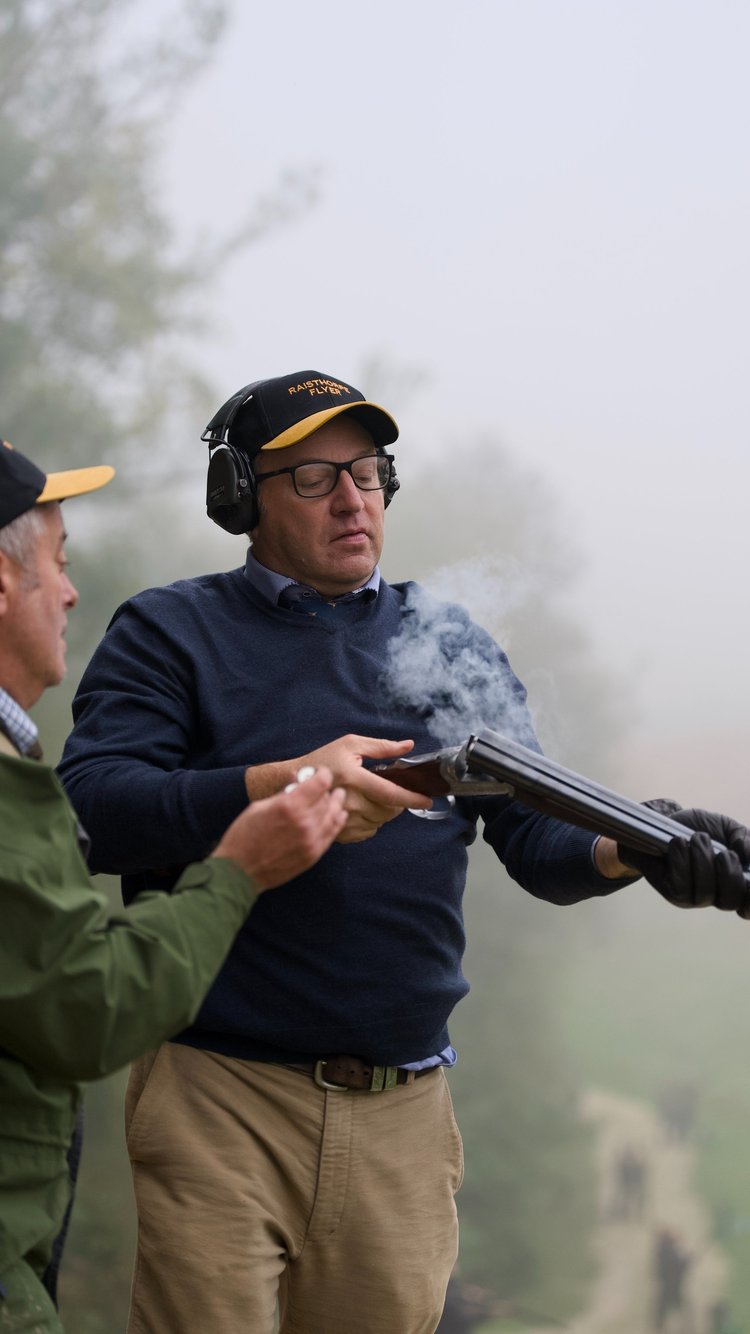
(522, 227)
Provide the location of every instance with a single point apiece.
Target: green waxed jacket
(82, 991)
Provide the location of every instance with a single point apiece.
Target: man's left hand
(693, 873)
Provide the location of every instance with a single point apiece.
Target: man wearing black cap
(82, 993)
(298, 1139)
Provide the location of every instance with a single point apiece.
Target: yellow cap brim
(308, 425)
(75, 482)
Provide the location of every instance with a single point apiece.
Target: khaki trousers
(252, 1184)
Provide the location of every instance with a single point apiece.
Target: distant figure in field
(720, 1319)
(671, 1267)
(630, 1184)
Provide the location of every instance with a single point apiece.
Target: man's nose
(70, 593)
(346, 493)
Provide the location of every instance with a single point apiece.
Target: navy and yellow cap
(273, 414)
(23, 485)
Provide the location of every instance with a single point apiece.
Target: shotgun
(489, 764)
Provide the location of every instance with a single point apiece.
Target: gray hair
(18, 539)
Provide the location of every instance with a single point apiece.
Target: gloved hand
(691, 874)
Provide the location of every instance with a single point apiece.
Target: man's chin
(352, 573)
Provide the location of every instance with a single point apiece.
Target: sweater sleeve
(548, 858)
(82, 992)
(124, 764)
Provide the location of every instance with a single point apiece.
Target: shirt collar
(271, 585)
(18, 725)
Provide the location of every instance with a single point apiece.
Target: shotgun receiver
(489, 764)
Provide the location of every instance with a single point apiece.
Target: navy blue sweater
(362, 953)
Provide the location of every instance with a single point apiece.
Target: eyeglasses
(372, 472)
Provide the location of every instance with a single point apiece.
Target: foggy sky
(543, 206)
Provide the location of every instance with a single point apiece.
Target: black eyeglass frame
(339, 467)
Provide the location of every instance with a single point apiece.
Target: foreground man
(298, 1140)
(81, 992)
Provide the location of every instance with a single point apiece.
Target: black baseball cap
(273, 414)
(23, 485)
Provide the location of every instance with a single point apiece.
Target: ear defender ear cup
(231, 499)
(392, 487)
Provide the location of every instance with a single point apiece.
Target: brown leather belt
(341, 1073)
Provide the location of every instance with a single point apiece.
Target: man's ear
(8, 581)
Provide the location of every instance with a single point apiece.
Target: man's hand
(279, 837)
(370, 800)
(692, 874)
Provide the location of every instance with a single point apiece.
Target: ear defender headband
(231, 492)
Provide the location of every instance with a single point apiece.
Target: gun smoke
(450, 674)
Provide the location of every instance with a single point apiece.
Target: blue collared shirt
(271, 585)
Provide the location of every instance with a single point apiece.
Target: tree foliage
(93, 286)
(87, 284)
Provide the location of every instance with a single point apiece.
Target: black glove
(691, 873)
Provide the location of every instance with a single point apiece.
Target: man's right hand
(370, 800)
(279, 837)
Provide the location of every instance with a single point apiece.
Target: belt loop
(381, 1078)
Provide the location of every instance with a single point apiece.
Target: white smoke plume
(448, 671)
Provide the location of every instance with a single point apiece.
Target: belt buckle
(323, 1083)
(383, 1077)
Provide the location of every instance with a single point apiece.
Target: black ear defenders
(231, 492)
(392, 487)
(231, 498)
